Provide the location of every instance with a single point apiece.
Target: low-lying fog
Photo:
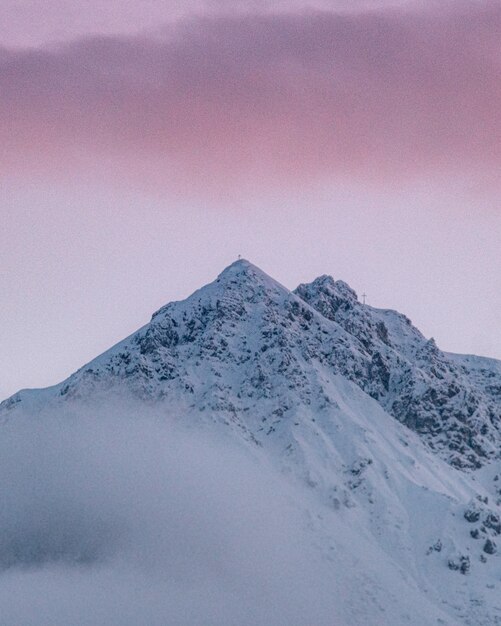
(124, 520)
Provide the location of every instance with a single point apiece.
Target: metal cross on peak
(364, 295)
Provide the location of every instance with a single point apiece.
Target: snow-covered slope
(311, 381)
(452, 401)
(246, 338)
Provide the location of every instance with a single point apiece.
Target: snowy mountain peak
(328, 295)
(243, 276)
(242, 269)
(240, 282)
(366, 417)
(245, 339)
(328, 285)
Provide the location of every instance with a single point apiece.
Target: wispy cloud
(120, 519)
(280, 99)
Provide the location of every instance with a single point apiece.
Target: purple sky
(146, 144)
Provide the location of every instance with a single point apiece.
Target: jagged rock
(489, 547)
(271, 337)
(445, 398)
(331, 389)
(493, 522)
(436, 547)
(472, 515)
(461, 564)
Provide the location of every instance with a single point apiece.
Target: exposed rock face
(368, 418)
(247, 345)
(490, 547)
(454, 402)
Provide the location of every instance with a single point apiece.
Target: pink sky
(145, 144)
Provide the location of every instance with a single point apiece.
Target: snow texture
(389, 446)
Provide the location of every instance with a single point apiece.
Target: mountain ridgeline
(338, 427)
(254, 354)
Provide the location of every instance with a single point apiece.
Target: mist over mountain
(254, 455)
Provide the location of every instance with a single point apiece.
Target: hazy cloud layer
(220, 101)
(30, 22)
(117, 520)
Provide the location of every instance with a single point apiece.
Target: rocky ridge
(245, 346)
(392, 444)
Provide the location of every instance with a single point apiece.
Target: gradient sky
(145, 144)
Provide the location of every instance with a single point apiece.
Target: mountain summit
(245, 343)
(390, 446)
